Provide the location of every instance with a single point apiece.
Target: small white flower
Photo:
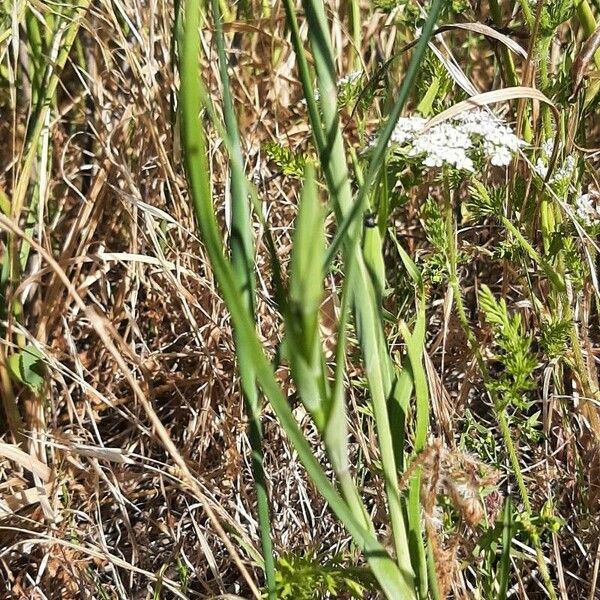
(406, 128)
(563, 173)
(541, 168)
(444, 143)
(560, 175)
(500, 156)
(586, 209)
(548, 147)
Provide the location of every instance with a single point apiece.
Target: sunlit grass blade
(242, 260)
(414, 373)
(365, 303)
(336, 428)
(415, 343)
(327, 407)
(305, 296)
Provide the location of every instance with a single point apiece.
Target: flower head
(548, 147)
(406, 129)
(586, 208)
(563, 173)
(457, 142)
(443, 144)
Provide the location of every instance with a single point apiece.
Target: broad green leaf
(425, 107)
(305, 295)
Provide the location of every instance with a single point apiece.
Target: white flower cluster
(458, 141)
(564, 172)
(499, 142)
(441, 144)
(548, 147)
(586, 208)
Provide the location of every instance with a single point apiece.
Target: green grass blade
(415, 372)
(415, 343)
(242, 246)
(305, 295)
(336, 429)
(306, 279)
(51, 79)
(242, 260)
(507, 534)
(367, 314)
(305, 78)
(398, 407)
(373, 254)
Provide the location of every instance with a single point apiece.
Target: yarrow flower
(499, 142)
(443, 144)
(586, 208)
(548, 147)
(564, 172)
(459, 141)
(406, 129)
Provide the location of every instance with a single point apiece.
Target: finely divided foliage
(299, 299)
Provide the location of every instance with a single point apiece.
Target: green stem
(355, 26)
(588, 23)
(514, 461)
(242, 253)
(512, 78)
(527, 13)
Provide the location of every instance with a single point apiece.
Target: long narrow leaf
(507, 534)
(242, 251)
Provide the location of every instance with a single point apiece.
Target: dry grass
(94, 506)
